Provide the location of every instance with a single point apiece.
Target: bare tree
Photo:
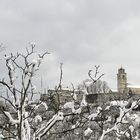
(94, 84)
(19, 95)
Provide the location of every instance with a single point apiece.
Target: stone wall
(66, 96)
(106, 97)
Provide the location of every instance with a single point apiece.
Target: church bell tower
(121, 80)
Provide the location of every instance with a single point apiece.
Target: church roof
(121, 70)
(133, 86)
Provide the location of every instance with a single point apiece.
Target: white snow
(131, 127)
(69, 105)
(83, 102)
(42, 103)
(34, 61)
(45, 105)
(12, 121)
(107, 108)
(7, 57)
(1, 137)
(119, 103)
(88, 131)
(109, 119)
(134, 104)
(45, 127)
(135, 120)
(77, 111)
(133, 86)
(73, 126)
(85, 92)
(59, 116)
(127, 134)
(27, 127)
(38, 119)
(74, 96)
(94, 115)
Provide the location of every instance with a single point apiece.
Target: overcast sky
(79, 33)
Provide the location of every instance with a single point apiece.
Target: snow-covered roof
(114, 90)
(63, 88)
(133, 86)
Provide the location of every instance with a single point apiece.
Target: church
(124, 91)
(122, 84)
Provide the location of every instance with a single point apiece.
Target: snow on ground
(88, 131)
(119, 103)
(38, 119)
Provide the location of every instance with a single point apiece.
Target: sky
(78, 33)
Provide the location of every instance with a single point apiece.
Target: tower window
(123, 76)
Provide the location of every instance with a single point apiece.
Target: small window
(123, 76)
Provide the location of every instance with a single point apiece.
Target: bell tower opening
(121, 80)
